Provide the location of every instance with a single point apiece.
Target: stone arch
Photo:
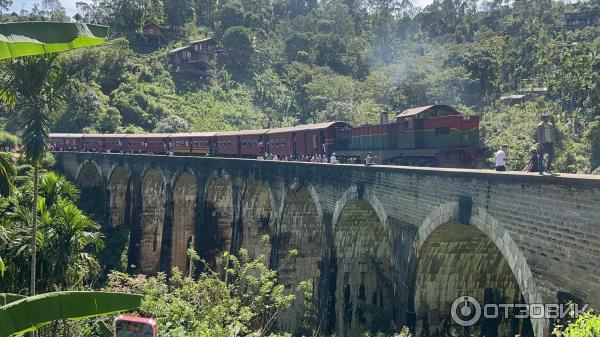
(365, 287)
(89, 171)
(89, 181)
(185, 192)
(300, 228)
(217, 226)
(152, 219)
(257, 219)
(479, 260)
(351, 194)
(120, 196)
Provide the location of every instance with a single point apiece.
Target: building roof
(505, 97)
(204, 40)
(179, 49)
(415, 111)
(534, 89)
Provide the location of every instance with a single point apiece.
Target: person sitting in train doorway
(545, 136)
(534, 161)
(501, 158)
(333, 159)
(370, 159)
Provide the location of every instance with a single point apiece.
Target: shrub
(9, 140)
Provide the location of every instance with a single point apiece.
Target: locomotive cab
(435, 127)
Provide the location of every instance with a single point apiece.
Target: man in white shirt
(333, 159)
(501, 158)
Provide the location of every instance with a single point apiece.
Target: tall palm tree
(36, 86)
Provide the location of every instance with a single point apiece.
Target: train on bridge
(435, 135)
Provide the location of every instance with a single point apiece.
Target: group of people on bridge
(545, 137)
(321, 158)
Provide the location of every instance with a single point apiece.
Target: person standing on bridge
(370, 159)
(333, 159)
(501, 158)
(545, 136)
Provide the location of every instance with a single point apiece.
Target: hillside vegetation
(287, 62)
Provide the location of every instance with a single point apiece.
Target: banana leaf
(34, 38)
(33, 312)
(6, 298)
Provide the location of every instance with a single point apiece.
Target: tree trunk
(36, 172)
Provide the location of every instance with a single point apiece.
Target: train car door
(294, 143)
(406, 133)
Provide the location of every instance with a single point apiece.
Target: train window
(442, 130)
(408, 123)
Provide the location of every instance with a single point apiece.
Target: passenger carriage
(227, 143)
(65, 141)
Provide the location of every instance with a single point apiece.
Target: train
(435, 135)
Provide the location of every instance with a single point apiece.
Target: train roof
(315, 126)
(227, 133)
(193, 134)
(59, 135)
(148, 135)
(415, 111)
(252, 132)
(108, 135)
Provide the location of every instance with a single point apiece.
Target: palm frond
(18, 39)
(7, 175)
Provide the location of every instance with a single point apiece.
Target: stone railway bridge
(384, 246)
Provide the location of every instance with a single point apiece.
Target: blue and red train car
(435, 135)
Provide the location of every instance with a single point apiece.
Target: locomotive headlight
(466, 118)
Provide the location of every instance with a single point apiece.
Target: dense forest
(285, 62)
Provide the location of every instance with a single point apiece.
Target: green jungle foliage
(244, 300)
(297, 61)
(585, 325)
(68, 240)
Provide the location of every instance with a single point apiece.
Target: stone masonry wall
(547, 228)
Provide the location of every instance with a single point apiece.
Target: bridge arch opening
(300, 229)
(152, 220)
(217, 229)
(256, 220)
(117, 231)
(185, 193)
(89, 181)
(458, 260)
(364, 295)
(119, 196)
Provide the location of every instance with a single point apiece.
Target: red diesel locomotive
(435, 135)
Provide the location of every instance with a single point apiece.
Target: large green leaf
(34, 38)
(6, 298)
(34, 312)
